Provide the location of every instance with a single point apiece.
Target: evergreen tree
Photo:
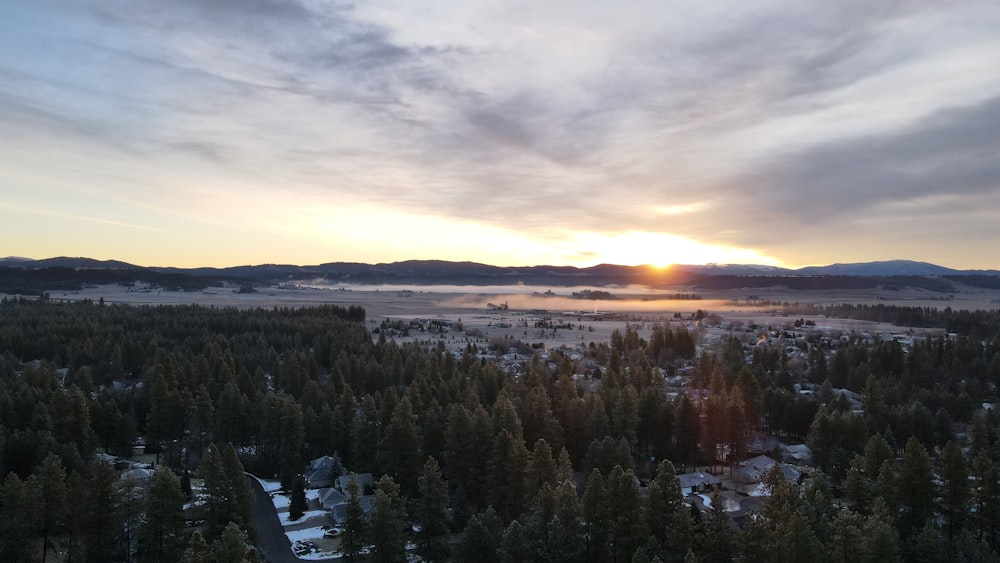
(400, 449)
(986, 500)
(916, 487)
(954, 492)
(387, 519)
(667, 515)
(161, 535)
(16, 507)
(297, 500)
(220, 498)
(432, 510)
(620, 516)
(233, 546)
(103, 521)
(845, 542)
(508, 475)
(242, 495)
(355, 533)
(880, 542)
(197, 551)
(715, 537)
(516, 545)
(48, 487)
(481, 539)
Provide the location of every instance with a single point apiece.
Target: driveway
(271, 538)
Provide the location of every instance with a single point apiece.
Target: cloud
(952, 152)
(728, 123)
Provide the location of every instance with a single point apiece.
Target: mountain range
(65, 273)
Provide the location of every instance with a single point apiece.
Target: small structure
(323, 472)
(339, 511)
(797, 453)
(698, 482)
(761, 444)
(331, 497)
(754, 469)
(365, 482)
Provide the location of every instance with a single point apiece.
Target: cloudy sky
(225, 132)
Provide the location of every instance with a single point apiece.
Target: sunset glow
(226, 133)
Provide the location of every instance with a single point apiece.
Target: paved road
(271, 538)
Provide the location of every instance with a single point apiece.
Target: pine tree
(667, 515)
(355, 533)
(297, 502)
(220, 502)
(715, 536)
(233, 547)
(954, 489)
(48, 487)
(103, 519)
(516, 544)
(160, 538)
(845, 545)
(880, 542)
(15, 517)
(387, 519)
(480, 542)
(242, 495)
(432, 510)
(508, 475)
(620, 516)
(593, 516)
(197, 551)
(916, 487)
(400, 448)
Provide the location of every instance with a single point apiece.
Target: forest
(553, 462)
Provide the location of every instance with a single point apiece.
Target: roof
(323, 471)
(330, 497)
(753, 469)
(364, 480)
(339, 511)
(698, 478)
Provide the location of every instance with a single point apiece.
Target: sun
(661, 251)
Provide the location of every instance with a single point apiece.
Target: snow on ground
(286, 521)
(269, 485)
(281, 502)
(707, 500)
(321, 556)
(306, 534)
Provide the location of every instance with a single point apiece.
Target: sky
(508, 132)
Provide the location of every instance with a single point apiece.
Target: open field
(532, 313)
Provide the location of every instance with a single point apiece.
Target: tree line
(559, 461)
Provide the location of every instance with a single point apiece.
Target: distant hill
(886, 268)
(22, 275)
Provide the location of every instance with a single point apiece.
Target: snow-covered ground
(309, 514)
(314, 519)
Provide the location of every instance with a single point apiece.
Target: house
(323, 472)
(754, 469)
(365, 482)
(797, 453)
(697, 482)
(760, 444)
(330, 497)
(339, 511)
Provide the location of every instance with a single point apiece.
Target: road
(271, 538)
